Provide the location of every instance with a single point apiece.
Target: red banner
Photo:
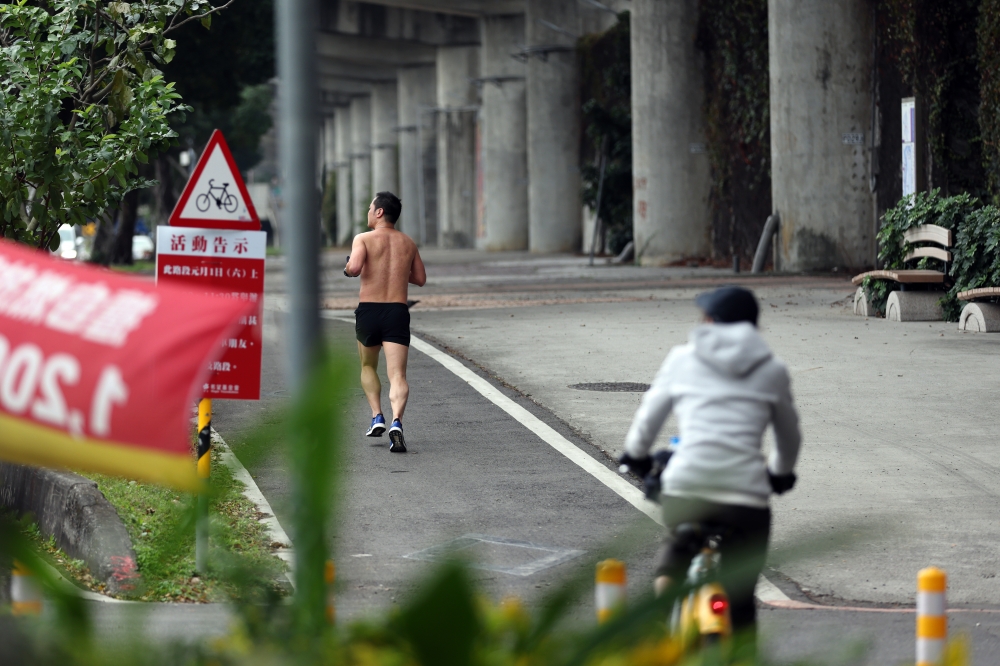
(229, 264)
(99, 371)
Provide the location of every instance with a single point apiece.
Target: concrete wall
(361, 162)
(553, 136)
(342, 129)
(458, 100)
(385, 119)
(417, 95)
(820, 67)
(503, 223)
(671, 216)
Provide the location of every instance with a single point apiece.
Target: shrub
(921, 208)
(975, 261)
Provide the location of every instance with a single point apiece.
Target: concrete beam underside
(373, 51)
(459, 7)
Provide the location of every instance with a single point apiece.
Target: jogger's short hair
(390, 205)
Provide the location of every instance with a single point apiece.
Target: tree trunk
(163, 191)
(121, 248)
(100, 253)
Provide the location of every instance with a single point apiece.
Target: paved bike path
(473, 469)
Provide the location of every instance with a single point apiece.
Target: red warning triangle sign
(215, 196)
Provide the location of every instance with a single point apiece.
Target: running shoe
(396, 437)
(377, 427)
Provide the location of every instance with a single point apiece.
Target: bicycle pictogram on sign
(223, 200)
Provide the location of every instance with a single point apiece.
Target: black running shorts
(376, 323)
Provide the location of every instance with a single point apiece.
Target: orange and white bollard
(932, 623)
(329, 576)
(610, 589)
(25, 592)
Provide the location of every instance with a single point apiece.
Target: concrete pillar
(553, 99)
(329, 153)
(361, 162)
(418, 152)
(503, 136)
(385, 120)
(821, 108)
(342, 130)
(670, 169)
(458, 100)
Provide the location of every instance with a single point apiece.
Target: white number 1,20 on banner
(28, 380)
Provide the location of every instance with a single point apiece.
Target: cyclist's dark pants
(743, 548)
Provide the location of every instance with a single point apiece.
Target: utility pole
(298, 134)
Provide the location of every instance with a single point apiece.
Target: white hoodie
(726, 387)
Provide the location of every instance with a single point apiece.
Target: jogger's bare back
(389, 263)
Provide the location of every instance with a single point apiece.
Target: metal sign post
(214, 243)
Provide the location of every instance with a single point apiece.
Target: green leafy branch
(83, 105)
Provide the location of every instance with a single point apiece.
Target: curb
(71, 509)
(281, 545)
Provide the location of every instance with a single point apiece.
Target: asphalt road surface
(472, 469)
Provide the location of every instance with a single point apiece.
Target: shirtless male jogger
(387, 261)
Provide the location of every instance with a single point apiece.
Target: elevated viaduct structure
(470, 111)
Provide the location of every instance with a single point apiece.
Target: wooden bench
(911, 305)
(978, 315)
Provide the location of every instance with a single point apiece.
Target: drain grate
(612, 387)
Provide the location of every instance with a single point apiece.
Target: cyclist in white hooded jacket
(726, 387)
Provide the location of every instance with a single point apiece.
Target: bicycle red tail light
(718, 603)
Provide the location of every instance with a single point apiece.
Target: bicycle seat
(696, 535)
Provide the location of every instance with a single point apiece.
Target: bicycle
(225, 200)
(700, 616)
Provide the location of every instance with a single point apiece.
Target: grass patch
(272, 251)
(160, 522)
(144, 267)
(72, 569)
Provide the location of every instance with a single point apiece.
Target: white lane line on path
(766, 591)
(275, 532)
(615, 482)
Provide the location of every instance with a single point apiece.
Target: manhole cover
(612, 387)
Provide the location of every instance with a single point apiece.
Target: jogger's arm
(358, 255)
(418, 274)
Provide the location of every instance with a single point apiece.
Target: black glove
(345, 267)
(781, 483)
(652, 484)
(638, 466)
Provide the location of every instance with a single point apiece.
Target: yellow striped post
(204, 472)
(25, 592)
(611, 581)
(329, 576)
(932, 623)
